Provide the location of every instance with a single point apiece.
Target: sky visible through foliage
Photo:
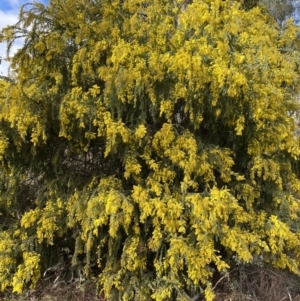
(9, 10)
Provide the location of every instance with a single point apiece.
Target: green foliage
(281, 10)
(153, 140)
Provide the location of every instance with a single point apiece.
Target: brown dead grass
(46, 291)
(244, 283)
(253, 283)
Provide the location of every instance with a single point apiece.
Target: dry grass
(248, 283)
(253, 283)
(46, 291)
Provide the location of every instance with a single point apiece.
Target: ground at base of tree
(253, 283)
(46, 290)
(247, 283)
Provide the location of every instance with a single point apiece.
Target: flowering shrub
(153, 140)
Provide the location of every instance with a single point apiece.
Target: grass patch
(47, 291)
(243, 283)
(254, 283)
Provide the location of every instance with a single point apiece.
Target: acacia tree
(152, 140)
(281, 10)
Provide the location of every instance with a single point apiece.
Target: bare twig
(290, 297)
(226, 275)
